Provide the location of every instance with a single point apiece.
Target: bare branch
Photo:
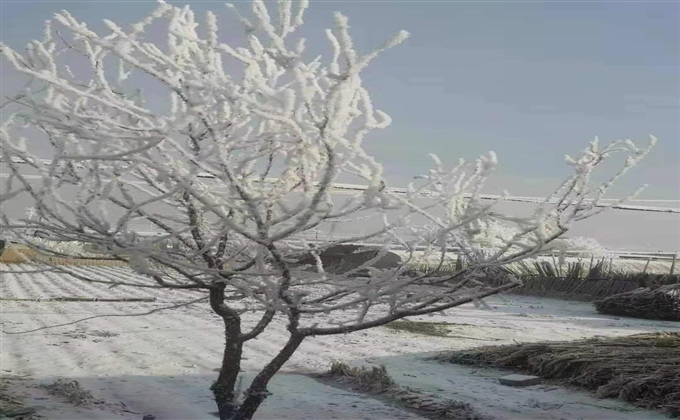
(222, 190)
(153, 311)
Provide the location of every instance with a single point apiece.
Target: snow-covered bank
(163, 363)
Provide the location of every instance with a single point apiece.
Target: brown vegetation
(641, 369)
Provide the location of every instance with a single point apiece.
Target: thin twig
(179, 305)
(79, 299)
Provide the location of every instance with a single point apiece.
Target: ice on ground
(163, 364)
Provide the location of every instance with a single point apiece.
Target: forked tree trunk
(257, 392)
(223, 388)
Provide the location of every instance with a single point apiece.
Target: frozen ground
(164, 363)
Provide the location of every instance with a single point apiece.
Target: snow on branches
(235, 162)
(228, 161)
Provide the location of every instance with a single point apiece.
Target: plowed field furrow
(80, 288)
(114, 274)
(169, 340)
(33, 315)
(59, 285)
(5, 291)
(108, 341)
(26, 286)
(118, 274)
(165, 362)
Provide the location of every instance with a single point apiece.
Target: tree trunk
(257, 392)
(223, 388)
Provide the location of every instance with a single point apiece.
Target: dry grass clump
(583, 279)
(641, 369)
(54, 253)
(662, 303)
(16, 254)
(433, 329)
(71, 391)
(20, 254)
(376, 380)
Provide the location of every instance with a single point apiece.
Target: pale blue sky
(530, 80)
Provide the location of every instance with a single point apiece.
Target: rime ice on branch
(274, 129)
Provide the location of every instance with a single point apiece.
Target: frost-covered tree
(483, 233)
(236, 163)
(488, 234)
(584, 246)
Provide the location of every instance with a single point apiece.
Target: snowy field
(163, 364)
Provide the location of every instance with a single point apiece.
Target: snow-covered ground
(163, 364)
